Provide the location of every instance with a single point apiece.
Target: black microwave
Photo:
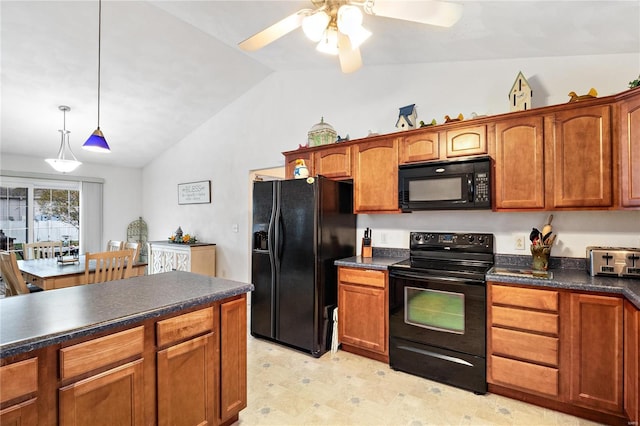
(447, 185)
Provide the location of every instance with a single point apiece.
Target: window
(39, 210)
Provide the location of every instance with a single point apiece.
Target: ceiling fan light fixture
(314, 25)
(329, 42)
(358, 37)
(61, 163)
(349, 19)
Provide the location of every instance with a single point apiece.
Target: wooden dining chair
(115, 245)
(133, 246)
(109, 266)
(12, 277)
(41, 249)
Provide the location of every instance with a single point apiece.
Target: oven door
(439, 311)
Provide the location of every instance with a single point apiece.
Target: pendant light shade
(65, 162)
(97, 142)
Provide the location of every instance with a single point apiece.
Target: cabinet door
(630, 152)
(579, 157)
(181, 259)
(375, 179)
(363, 317)
(114, 397)
(233, 357)
(186, 383)
(24, 414)
(421, 146)
(470, 140)
(334, 162)
(595, 371)
(632, 362)
(519, 177)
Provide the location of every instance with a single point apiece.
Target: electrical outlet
(383, 238)
(518, 242)
(235, 227)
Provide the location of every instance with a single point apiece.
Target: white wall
(275, 116)
(122, 190)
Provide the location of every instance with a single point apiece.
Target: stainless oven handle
(422, 277)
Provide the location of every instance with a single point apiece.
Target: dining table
(51, 273)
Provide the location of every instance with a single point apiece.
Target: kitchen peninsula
(153, 349)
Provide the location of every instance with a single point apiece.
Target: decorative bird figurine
(448, 119)
(300, 171)
(575, 98)
(423, 124)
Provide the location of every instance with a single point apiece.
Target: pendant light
(61, 163)
(97, 142)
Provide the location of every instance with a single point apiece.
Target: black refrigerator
(300, 227)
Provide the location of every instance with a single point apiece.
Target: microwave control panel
(482, 186)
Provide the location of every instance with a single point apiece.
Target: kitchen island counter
(29, 322)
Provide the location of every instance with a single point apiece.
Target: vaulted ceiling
(168, 66)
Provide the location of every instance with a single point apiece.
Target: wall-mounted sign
(194, 192)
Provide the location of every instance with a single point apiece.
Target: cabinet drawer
(541, 322)
(525, 297)
(529, 377)
(18, 379)
(369, 277)
(184, 326)
(527, 346)
(101, 352)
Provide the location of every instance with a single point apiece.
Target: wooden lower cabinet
(632, 362)
(557, 348)
(186, 368)
(18, 393)
(596, 348)
(186, 391)
(114, 397)
(363, 312)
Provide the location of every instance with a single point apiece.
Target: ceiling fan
(337, 24)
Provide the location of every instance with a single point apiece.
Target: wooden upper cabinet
(423, 146)
(375, 176)
(471, 140)
(630, 152)
(579, 157)
(334, 162)
(290, 162)
(519, 159)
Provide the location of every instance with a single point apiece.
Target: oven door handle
(422, 277)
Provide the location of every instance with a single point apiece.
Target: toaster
(613, 261)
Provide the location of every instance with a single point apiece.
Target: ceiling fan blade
(274, 32)
(431, 12)
(350, 59)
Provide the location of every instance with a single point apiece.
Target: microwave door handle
(470, 188)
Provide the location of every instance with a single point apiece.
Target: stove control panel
(613, 261)
(444, 240)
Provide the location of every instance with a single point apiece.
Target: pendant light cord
(99, 48)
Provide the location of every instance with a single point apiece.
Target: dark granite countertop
(575, 279)
(375, 262)
(36, 320)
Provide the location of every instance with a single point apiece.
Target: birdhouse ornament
(407, 117)
(520, 94)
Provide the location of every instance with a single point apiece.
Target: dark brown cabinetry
(579, 150)
(630, 150)
(19, 384)
(363, 308)
(375, 176)
(333, 162)
(519, 164)
(632, 362)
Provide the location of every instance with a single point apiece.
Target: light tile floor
(286, 387)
